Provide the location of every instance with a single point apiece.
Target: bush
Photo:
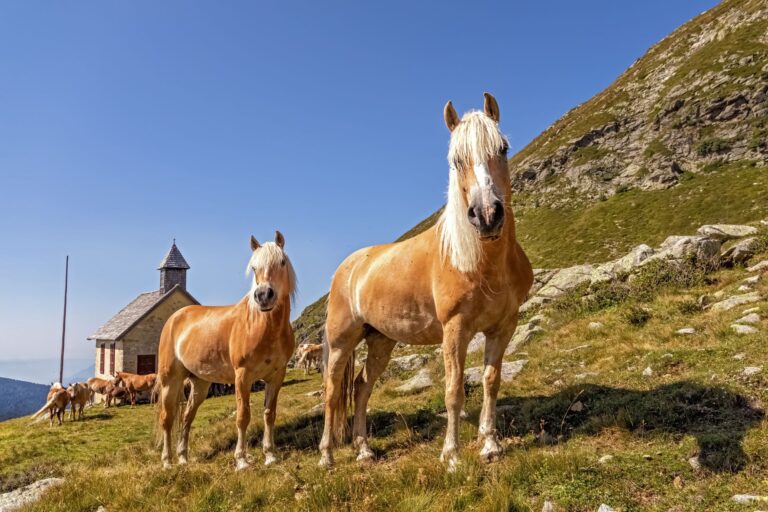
(712, 146)
(637, 316)
(688, 307)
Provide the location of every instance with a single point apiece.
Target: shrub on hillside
(637, 316)
(712, 146)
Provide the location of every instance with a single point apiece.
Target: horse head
(478, 159)
(274, 280)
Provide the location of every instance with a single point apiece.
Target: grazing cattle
(236, 345)
(115, 393)
(58, 398)
(309, 355)
(100, 386)
(79, 395)
(466, 274)
(135, 384)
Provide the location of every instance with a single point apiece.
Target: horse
(98, 385)
(115, 393)
(134, 383)
(466, 274)
(56, 403)
(79, 395)
(308, 355)
(235, 344)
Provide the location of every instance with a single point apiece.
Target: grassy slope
(697, 403)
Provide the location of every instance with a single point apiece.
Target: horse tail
(344, 403)
(44, 408)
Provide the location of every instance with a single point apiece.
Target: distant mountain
(19, 398)
(81, 376)
(42, 371)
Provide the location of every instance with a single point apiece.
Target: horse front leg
(495, 345)
(455, 341)
(243, 393)
(271, 390)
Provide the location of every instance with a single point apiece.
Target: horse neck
(256, 322)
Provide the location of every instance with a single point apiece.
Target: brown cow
(135, 383)
(79, 395)
(58, 398)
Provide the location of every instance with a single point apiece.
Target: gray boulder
(418, 382)
(613, 269)
(523, 334)
(566, 279)
(28, 494)
(477, 344)
(509, 371)
(740, 253)
(706, 250)
(725, 232)
(736, 300)
(759, 267)
(408, 363)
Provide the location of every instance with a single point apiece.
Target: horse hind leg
(271, 391)
(340, 353)
(170, 393)
(379, 352)
(495, 346)
(196, 397)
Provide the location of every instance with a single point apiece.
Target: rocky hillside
(696, 101)
(680, 139)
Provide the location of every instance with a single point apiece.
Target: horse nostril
(471, 213)
(270, 294)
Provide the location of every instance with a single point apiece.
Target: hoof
(241, 465)
(167, 465)
(491, 450)
(183, 460)
(366, 455)
(269, 459)
(326, 461)
(451, 459)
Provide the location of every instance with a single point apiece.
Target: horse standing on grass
(310, 354)
(79, 395)
(466, 274)
(135, 384)
(56, 404)
(98, 385)
(236, 344)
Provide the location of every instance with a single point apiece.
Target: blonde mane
(271, 255)
(476, 139)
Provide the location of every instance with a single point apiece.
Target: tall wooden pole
(64, 321)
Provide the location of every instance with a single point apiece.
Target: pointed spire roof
(173, 259)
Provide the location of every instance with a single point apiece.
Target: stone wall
(144, 337)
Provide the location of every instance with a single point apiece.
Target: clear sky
(126, 124)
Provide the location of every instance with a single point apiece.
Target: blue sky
(126, 124)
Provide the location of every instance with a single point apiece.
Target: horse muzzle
(265, 297)
(487, 218)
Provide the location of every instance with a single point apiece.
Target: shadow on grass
(716, 417)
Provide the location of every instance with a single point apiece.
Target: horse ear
(279, 239)
(451, 117)
(491, 107)
(254, 243)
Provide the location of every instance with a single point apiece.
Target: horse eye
(282, 263)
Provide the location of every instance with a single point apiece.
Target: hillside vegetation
(680, 139)
(612, 406)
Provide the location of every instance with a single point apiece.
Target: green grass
(697, 403)
(604, 230)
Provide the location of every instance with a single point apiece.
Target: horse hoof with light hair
(236, 345)
(466, 274)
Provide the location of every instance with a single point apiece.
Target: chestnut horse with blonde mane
(466, 274)
(135, 384)
(236, 345)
